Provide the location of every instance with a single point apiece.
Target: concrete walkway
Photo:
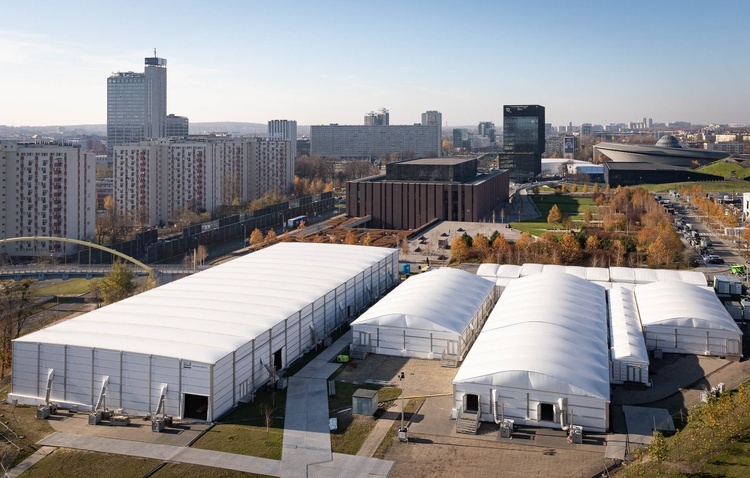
(29, 462)
(307, 442)
(371, 444)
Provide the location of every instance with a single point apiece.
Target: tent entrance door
(277, 365)
(634, 374)
(471, 403)
(195, 407)
(364, 339)
(546, 412)
(451, 347)
(733, 347)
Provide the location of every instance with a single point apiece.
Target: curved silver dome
(668, 141)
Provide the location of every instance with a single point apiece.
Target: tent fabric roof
(443, 300)
(619, 275)
(683, 305)
(548, 332)
(628, 343)
(205, 316)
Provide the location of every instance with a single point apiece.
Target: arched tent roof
(205, 316)
(548, 332)
(444, 300)
(681, 304)
(625, 325)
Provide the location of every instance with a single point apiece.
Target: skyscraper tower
(137, 104)
(523, 141)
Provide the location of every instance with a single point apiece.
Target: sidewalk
(307, 442)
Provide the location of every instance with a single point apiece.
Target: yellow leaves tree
(554, 216)
(256, 237)
(481, 246)
(617, 252)
(459, 250)
(117, 284)
(367, 241)
(271, 237)
(524, 247)
(588, 215)
(585, 189)
(500, 249)
(659, 255)
(350, 238)
(592, 244)
(570, 249)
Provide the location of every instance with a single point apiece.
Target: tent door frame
(633, 374)
(471, 404)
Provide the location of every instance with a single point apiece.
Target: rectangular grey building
(372, 142)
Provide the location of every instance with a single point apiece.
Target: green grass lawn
(185, 470)
(708, 186)
(243, 430)
(71, 287)
(572, 206)
(353, 429)
(725, 169)
(67, 463)
(733, 462)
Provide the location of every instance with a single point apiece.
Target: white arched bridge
(44, 271)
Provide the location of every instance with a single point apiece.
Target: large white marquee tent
(542, 357)
(687, 319)
(430, 315)
(628, 352)
(205, 341)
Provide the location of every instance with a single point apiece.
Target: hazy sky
(321, 62)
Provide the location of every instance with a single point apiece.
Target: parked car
(714, 259)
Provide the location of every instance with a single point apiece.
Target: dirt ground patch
(421, 377)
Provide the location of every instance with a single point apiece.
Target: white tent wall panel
(135, 384)
(223, 392)
(52, 356)
(25, 369)
(523, 405)
(77, 375)
(108, 363)
(164, 370)
(684, 340)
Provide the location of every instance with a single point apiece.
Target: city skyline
(333, 61)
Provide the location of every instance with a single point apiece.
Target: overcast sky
(321, 62)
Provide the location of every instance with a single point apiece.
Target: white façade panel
(52, 356)
(165, 370)
(25, 368)
(78, 374)
(223, 393)
(107, 364)
(135, 384)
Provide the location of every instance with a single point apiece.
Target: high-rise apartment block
(432, 118)
(523, 141)
(377, 118)
(286, 130)
(137, 104)
(47, 190)
(156, 180)
(177, 126)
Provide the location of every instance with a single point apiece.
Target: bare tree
(15, 309)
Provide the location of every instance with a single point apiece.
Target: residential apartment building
(137, 104)
(284, 129)
(177, 126)
(370, 142)
(156, 180)
(380, 117)
(46, 190)
(432, 118)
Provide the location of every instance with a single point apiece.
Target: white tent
(429, 316)
(542, 356)
(684, 318)
(628, 353)
(205, 341)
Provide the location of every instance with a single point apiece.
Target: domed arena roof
(668, 141)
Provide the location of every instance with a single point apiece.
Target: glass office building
(523, 141)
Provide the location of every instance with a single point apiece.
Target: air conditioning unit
(506, 428)
(576, 434)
